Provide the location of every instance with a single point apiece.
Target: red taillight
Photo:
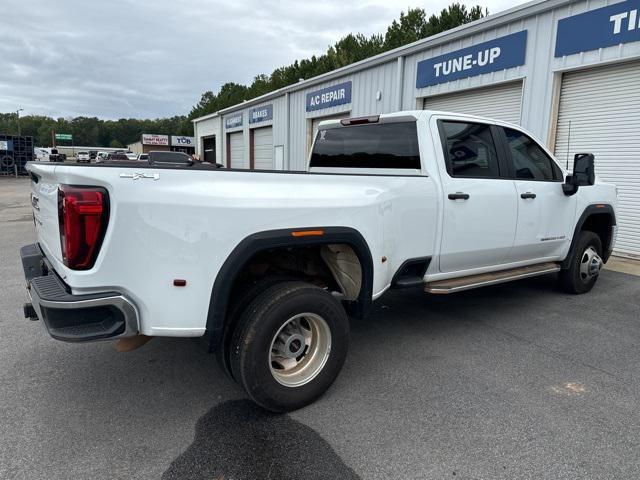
(83, 213)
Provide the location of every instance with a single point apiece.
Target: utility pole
(18, 114)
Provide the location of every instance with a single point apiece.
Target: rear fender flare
(283, 238)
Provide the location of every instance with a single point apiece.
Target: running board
(452, 285)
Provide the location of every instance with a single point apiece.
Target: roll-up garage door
(236, 151)
(603, 107)
(501, 102)
(262, 148)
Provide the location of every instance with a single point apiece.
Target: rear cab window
(383, 147)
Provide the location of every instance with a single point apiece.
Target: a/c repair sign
(329, 97)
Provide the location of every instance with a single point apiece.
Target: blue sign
(329, 97)
(491, 56)
(602, 27)
(261, 114)
(233, 122)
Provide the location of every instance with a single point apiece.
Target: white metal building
(569, 71)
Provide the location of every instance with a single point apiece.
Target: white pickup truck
(267, 266)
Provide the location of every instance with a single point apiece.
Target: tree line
(91, 131)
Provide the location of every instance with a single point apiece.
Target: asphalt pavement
(515, 381)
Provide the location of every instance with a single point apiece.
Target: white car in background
(131, 155)
(83, 157)
(101, 157)
(40, 154)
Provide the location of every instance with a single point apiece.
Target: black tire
(250, 355)
(237, 304)
(571, 279)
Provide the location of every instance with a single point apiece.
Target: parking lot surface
(513, 381)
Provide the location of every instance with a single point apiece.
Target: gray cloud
(144, 58)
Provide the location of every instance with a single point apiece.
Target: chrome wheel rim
(590, 264)
(300, 349)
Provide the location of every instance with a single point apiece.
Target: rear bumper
(75, 318)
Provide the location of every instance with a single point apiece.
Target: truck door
(479, 204)
(545, 214)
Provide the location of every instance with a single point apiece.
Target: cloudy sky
(152, 58)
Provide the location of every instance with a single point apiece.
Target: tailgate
(44, 203)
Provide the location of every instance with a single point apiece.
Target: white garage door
(501, 102)
(263, 148)
(236, 150)
(603, 106)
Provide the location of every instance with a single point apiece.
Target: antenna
(568, 143)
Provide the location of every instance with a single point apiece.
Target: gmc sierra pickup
(267, 266)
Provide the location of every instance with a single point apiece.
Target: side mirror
(584, 173)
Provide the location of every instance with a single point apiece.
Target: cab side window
(469, 150)
(530, 161)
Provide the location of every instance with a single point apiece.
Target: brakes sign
(499, 54)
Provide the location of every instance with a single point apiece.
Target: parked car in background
(93, 154)
(117, 157)
(162, 157)
(47, 154)
(442, 202)
(131, 156)
(54, 156)
(40, 154)
(101, 156)
(143, 157)
(83, 157)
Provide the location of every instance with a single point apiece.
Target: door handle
(459, 196)
(528, 195)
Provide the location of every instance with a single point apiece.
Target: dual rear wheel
(287, 344)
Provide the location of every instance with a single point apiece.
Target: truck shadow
(239, 440)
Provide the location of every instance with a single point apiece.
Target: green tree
(410, 27)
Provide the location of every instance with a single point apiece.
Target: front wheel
(586, 263)
(289, 345)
